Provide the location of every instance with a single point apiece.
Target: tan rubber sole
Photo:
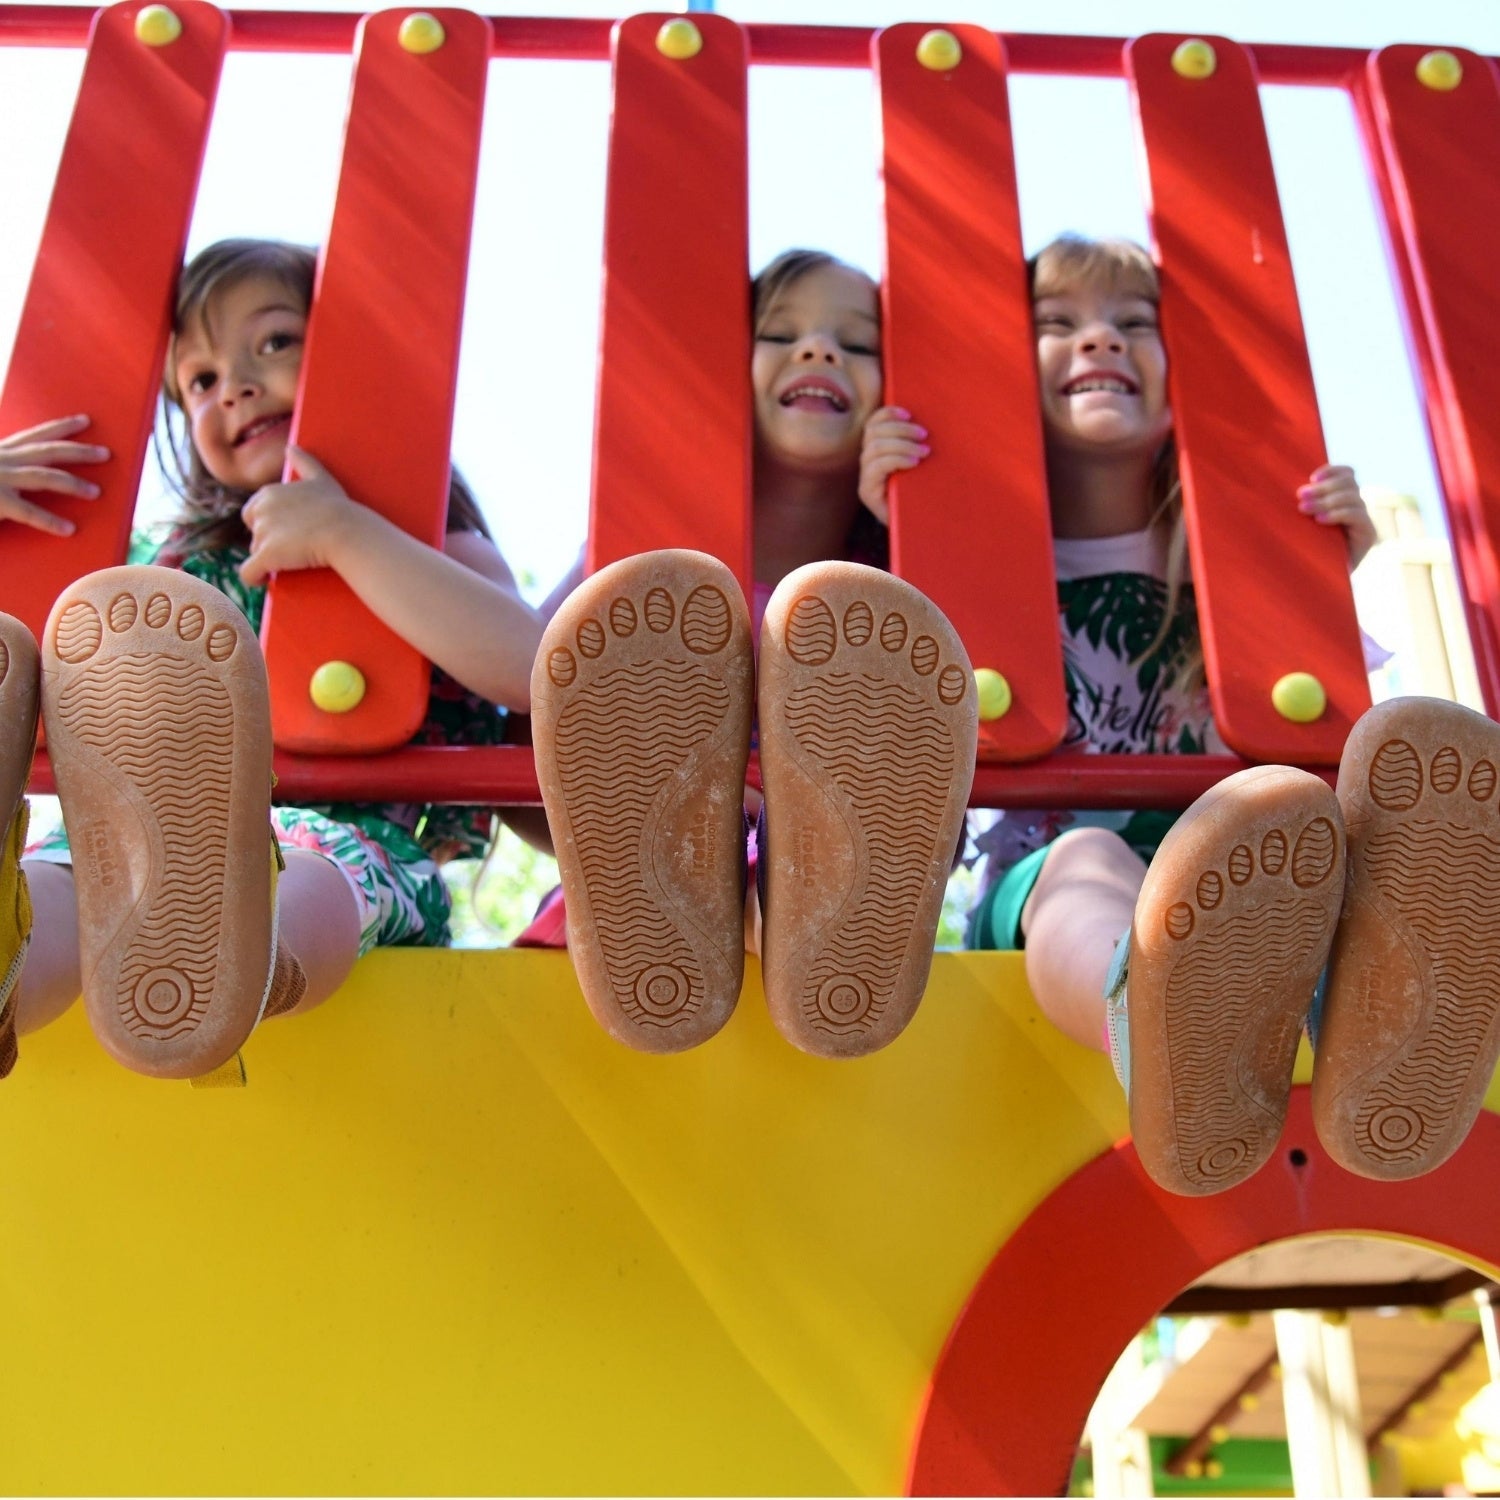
(158, 728)
(868, 726)
(1232, 929)
(641, 701)
(19, 668)
(1410, 1029)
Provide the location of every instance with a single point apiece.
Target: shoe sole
(641, 701)
(1410, 1029)
(1232, 929)
(158, 728)
(868, 726)
(19, 671)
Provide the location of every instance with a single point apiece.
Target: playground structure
(450, 1237)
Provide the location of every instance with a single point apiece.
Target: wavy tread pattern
(895, 799)
(620, 741)
(1230, 1058)
(167, 975)
(1440, 878)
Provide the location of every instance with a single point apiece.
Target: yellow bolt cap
(421, 32)
(1336, 1317)
(679, 40)
(336, 687)
(1299, 696)
(1440, 70)
(1218, 1433)
(940, 50)
(994, 693)
(1249, 1401)
(1213, 1469)
(157, 26)
(1194, 58)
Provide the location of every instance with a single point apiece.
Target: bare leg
(1082, 902)
(319, 922)
(50, 982)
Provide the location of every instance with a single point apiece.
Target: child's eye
(274, 343)
(857, 348)
(1053, 323)
(774, 338)
(200, 382)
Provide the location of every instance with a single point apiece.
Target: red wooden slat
(1273, 589)
(94, 327)
(1432, 154)
(672, 440)
(378, 379)
(970, 526)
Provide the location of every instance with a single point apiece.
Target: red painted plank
(672, 437)
(970, 526)
(94, 326)
(1273, 588)
(1444, 218)
(378, 380)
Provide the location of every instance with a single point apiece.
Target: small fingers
(63, 453)
(13, 508)
(55, 481)
(59, 427)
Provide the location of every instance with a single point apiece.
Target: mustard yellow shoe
(18, 709)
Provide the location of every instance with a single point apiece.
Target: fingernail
(923, 449)
(91, 491)
(901, 412)
(921, 432)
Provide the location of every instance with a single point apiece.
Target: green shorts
(996, 921)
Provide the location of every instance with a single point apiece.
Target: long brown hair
(869, 540)
(1121, 265)
(210, 515)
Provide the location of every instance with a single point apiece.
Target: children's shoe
(18, 711)
(1231, 931)
(868, 726)
(158, 727)
(1410, 1025)
(640, 702)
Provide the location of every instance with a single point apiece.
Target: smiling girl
(354, 876)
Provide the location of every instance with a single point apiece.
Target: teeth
(838, 401)
(1101, 383)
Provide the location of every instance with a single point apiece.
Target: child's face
(236, 368)
(816, 370)
(1102, 369)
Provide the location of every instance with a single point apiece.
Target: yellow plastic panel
(452, 1239)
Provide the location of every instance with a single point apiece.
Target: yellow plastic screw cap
(421, 32)
(1194, 58)
(1218, 1433)
(940, 50)
(1440, 70)
(157, 26)
(337, 686)
(994, 694)
(679, 39)
(1299, 696)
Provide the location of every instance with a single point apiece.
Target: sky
(525, 401)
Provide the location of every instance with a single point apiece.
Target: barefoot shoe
(640, 704)
(1231, 931)
(1410, 1026)
(868, 725)
(158, 727)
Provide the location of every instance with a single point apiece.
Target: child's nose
(1101, 336)
(239, 384)
(815, 349)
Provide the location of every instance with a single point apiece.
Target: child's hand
(892, 442)
(297, 523)
(27, 462)
(1331, 497)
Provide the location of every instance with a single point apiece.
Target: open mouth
(1117, 385)
(814, 395)
(261, 426)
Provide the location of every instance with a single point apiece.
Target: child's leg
(1078, 910)
(319, 921)
(50, 981)
(1410, 1029)
(868, 725)
(641, 700)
